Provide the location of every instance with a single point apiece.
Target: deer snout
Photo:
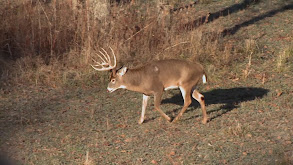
(114, 89)
(111, 89)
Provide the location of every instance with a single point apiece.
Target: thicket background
(52, 42)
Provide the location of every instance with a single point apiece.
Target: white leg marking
(183, 92)
(144, 105)
(204, 79)
(198, 96)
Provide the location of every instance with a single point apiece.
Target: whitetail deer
(154, 78)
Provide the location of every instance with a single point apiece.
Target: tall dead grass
(51, 42)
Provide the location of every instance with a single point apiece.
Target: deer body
(159, 75)
(155, 77)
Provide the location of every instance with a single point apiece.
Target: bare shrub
(52, 42)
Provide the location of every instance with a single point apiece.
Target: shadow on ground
(222, 13)
(234, 29)
(233, 9)
(230, 98)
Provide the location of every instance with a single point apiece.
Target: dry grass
(284, 60)
(51, 43)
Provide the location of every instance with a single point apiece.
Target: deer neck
(132, 80)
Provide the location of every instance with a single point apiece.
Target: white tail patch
(204, 79)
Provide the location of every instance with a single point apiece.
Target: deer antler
(105, 61)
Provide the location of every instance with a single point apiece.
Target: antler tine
(105, 61)
(105, 57)
(108, 56)
(100, 69)
(98, 63)
(114, 56)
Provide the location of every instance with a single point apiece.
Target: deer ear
(122, 71)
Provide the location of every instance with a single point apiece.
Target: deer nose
(110, 90)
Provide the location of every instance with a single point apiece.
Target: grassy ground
(249, 103)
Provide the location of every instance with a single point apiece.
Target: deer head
(105, 63)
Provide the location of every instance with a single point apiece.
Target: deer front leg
(157, 102)
(187, 101)
(145, 99)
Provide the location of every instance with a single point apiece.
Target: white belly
(171, 87)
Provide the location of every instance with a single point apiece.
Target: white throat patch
(122, 87)
(114, 89)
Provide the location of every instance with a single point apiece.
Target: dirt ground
(250, 116)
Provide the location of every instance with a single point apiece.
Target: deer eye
(113, 81)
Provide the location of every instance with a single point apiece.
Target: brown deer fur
(155, 77)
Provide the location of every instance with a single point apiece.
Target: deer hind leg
(157, 102)
(187, 101)
(145, 99)
(200, 98)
